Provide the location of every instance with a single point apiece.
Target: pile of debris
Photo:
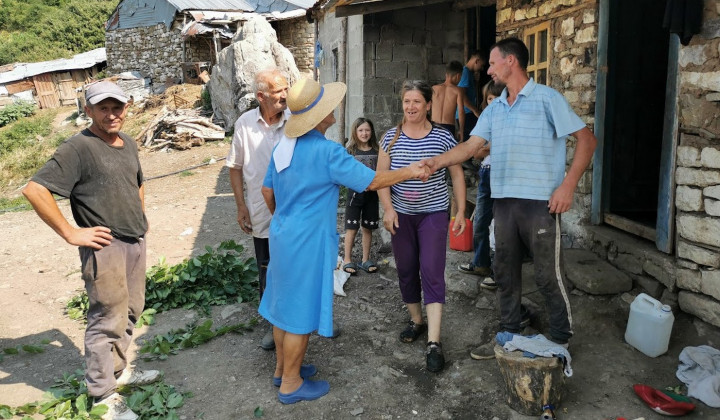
(179, 129)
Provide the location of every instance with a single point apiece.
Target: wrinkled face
(274, 100)
(108, 115)
(415, 106)
(326, 122)
(363, 133)
(499, 66)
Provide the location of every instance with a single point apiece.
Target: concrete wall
(698, 171)
(330, 37)
(414, 43)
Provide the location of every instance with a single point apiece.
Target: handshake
(423, 169)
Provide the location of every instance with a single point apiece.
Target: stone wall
(697, 174)
(154, 51)
(298, 36)
(572, 67)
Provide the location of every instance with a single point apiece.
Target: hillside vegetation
(41, 30)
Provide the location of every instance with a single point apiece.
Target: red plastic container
(464, 241)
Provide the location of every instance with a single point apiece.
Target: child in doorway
(361, 210)
(480, 265)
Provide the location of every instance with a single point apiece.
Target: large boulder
(254, 48)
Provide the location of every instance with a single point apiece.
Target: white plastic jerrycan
(649, 325)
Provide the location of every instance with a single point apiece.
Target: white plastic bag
(340, 278)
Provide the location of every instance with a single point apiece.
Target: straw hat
(310, 103)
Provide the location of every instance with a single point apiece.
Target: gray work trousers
(115, 282)
(523, 226)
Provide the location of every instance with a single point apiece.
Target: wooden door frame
(665, 224)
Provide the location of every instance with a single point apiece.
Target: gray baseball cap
(103, 90)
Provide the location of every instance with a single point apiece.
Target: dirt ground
(372, 374)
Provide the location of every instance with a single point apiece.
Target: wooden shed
(50, 84)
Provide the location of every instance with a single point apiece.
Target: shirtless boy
(447, 98)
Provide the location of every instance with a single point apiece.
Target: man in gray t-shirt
(99, 171)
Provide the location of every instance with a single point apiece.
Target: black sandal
(412, 332)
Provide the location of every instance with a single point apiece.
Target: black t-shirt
(367, 157)
(101, 181)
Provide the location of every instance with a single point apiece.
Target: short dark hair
(477, 53)
(453, 68)
(513, 46)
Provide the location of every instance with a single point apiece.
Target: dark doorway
(481, 34)
(635, 94)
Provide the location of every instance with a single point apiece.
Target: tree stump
(530, 383)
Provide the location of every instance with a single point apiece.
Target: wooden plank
(665, 226)
(45, 90)
(19, 86)
(466, 4)
(381, 6)
(630, 226)
(599, 197)
(65, 87)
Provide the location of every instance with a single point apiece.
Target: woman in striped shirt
(416, 214)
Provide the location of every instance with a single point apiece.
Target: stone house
(650, 203)
(174, 41)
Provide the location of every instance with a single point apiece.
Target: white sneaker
(131, 376)
(117, 409)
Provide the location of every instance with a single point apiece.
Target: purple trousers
(419, 246)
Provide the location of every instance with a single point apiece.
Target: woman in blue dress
(301, 189)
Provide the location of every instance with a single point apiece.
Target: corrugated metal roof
(257, 6)
(141, 13)
(81, 61)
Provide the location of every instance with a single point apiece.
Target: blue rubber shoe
(306, 371)
(308, 391)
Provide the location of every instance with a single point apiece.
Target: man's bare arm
(562, 198)
(466, 102)
(458, 154)
(243, 214)
(461, 116)
(48, 210)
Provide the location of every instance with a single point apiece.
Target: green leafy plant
(67, 399)
(14, 204)
(162, 346)
(39, 30)
(15, 111)
(24, 133)
(27, 348)
(146, 318)
(77, 306)
(206, 100)
(157, 401)
(187, 173)
(218, 277)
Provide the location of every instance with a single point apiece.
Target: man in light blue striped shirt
(527, 127)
